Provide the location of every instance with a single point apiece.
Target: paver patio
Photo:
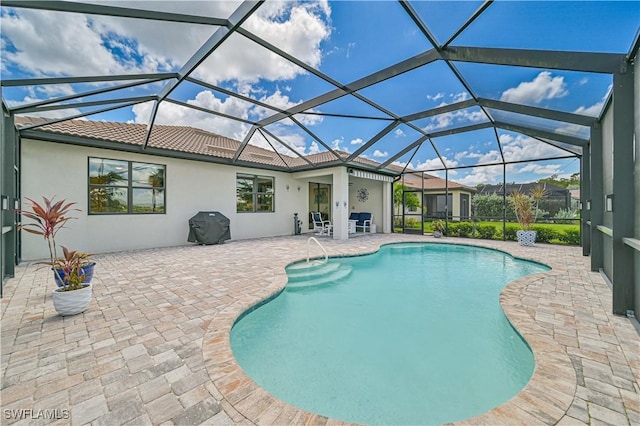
(153, 347)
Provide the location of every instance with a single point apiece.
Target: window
(125, 187)
(254, 193)
(437, 206)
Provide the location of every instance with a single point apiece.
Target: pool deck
(153, 347)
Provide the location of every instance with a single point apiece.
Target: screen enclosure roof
(379, 85)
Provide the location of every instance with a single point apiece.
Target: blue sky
(345, 41)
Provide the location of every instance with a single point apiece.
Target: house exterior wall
(454, 208)
(52, 169)
(374, 204)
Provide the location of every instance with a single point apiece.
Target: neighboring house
(435, 190)
(133, 198)
(556, 197)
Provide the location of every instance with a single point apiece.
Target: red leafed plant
(71, 264)
(48, 218)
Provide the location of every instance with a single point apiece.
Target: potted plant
(523, 208)
(70, 271)
(439, 227)
(83, 262)
(74, 295)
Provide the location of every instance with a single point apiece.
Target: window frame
(255, 193)
(130, 186)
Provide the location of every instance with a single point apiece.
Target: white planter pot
(526, 238)
(72, 302)
(437, 234)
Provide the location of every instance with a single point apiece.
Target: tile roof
(197, 141)
(173, 138)
(431, 182)
(178, 138)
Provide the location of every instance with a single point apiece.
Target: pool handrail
(326, 255)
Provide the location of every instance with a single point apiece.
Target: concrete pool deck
(153, 346)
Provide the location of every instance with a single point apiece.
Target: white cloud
(53, 43)
(523, 147)
(459, 97)
(49, 43)
(436, 97)
(296, 28)
(350, 47)
(313, 148)
(356, 141)
(430, 164)
(403, 164)
(541, 88)
(463, 154)
(399, 133)
(379, 154)
(540, 169)
(487, 175)
(460, 117)
(593, 110)
(176, 115)
(337, 145)
(278, 100)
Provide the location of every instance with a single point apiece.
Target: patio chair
(320, 227)
(364, 221)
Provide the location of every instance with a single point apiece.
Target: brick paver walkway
(153, 347)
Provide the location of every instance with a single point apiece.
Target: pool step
(341, 272)
(310, 271)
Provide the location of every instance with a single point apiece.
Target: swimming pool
(412, 334)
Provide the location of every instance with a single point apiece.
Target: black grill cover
(209, 228)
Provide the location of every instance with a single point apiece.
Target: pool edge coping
(549, 392)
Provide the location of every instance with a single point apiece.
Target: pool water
(413, 334)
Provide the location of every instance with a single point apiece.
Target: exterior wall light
(608, 203)
(588, 204)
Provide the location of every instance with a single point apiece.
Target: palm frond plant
(48, 219)
(538, 193)
(70, 270)
(523, 208)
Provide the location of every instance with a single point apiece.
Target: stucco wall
(373, 204)
(56, 169)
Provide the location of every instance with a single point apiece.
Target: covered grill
(209, 228)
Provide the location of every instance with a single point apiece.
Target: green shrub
(452, 229)
(566, 214)
(410, 222)
(487, 205)
(510, 233)
(465, 229)
(545, 234)
(485, 232)
(570, 236)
